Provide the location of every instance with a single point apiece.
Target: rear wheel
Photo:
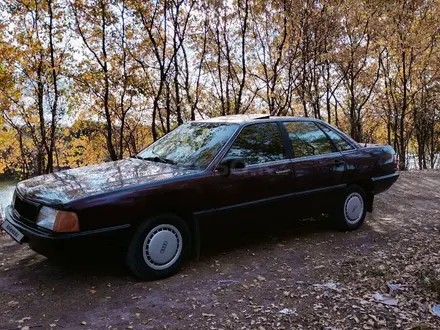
(351, 209)
(158, 247)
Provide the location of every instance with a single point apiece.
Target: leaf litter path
(277, 275)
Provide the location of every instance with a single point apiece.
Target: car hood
(65, 186)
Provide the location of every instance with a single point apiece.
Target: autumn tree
(34, 65)
(84, 81)
(411, 38)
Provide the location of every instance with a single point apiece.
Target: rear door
(318, 166)
(265, 183)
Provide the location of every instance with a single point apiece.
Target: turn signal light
(66, 222)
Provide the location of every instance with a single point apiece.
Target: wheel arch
(367, 186)
(191, 221)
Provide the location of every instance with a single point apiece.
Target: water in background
(412, 162)
(6, 192)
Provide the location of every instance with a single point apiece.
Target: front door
(265, 183)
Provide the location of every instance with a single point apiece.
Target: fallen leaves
(12, 303)
(287, 311)
(385, 299)
(24, 319)
(261, 278)
(435, 309)
(322, 280)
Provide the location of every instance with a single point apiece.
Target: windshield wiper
(159, 159)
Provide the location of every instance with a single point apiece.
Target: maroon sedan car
(153, 202)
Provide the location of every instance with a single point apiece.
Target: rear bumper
(45, 242)
(383, 183)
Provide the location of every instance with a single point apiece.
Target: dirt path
(261, 280)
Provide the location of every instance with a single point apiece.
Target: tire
(158, 247)
(351, 210)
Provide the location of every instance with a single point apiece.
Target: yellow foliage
(84, 151)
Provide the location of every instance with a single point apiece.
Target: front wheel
(351, 210)
(158, 247)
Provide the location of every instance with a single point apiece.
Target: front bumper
(33, 231)
(383, 183)
(45, 241)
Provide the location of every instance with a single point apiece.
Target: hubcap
(162, 247)
(354, 208)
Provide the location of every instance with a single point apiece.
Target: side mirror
(230, 163)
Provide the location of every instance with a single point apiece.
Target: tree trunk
(109, 126)
(49, 168)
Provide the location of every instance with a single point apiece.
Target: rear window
(307, 139)
(339, 142)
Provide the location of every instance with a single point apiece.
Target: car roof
(240, 119)
(243, 120)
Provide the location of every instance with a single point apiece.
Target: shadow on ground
(95, 261)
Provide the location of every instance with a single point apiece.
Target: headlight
(46, 217)
(58, 221)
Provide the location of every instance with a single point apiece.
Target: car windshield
(191, 144)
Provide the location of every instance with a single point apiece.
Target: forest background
(85, 81)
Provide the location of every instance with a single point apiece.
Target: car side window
(258, 143)
(339, 142)
(307, 139)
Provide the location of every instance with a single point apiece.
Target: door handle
(283, 172)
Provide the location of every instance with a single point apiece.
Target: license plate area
(12, 231)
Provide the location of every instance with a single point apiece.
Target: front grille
(25, 208)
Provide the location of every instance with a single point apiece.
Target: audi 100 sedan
(153, 202)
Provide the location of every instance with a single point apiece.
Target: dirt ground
(279, 276)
